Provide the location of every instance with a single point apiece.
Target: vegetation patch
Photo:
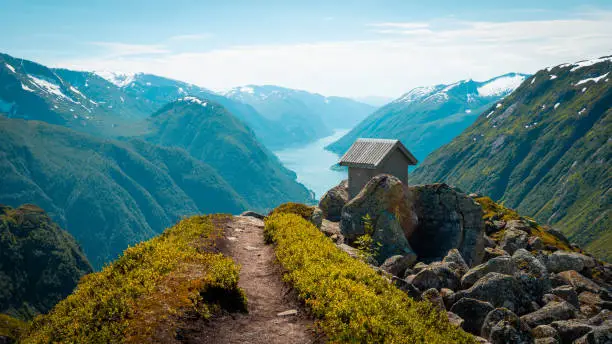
(11, 327)
(353, 304)
(302, 210)
(141, 297)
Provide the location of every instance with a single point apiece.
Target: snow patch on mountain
(596, 79)
(75, 90)
(11, 68)
(501, 85)
(193, 100)
(26, 88)
(587, 63)
(117, 78)
(49, 87)
(417, 94)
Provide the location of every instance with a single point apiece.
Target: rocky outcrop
(447, 219)
(388, 202)
(501, 326)
(334, 200)
(397, 265)
(473, 312)
(563, 261)
(551, 312)
(499, 290)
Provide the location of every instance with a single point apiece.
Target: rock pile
(500, 282)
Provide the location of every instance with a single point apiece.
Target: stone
(488, 242)
(432, 295)
(447, 219)
(598, 335)
(426, 279)
(333, 200)
(603, 316)
(454, 319)
(406, 287)
(513, 240)
(317, 217)
(456, 261)
(548, 298)
(332, 231)
(388, 202)
(535, 243)
(473, 312)
(251, 213)
(493, 252)
(570, 330)
(397, 265)
(578, 281)
(566, 293)
(503, 326)
(553, 311)
(448, 274)
(419, 266)
(547, 340)
(518, 225)
(501, 265)
(287, 313)
(531, 273)
(589, 298)
(563, 261)
(544, 331)
(447, 296)
(499, 290)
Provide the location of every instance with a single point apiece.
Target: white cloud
(388, 65)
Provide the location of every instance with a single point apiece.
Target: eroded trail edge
(268, 297)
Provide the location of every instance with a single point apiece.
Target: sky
(341, 48)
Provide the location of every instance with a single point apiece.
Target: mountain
(209, 133)
(306, 116)
(40, 264)
(545, 150)
(376, 101)
(108, 194)
(428, 117)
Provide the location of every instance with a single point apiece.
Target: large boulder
(456, 262)
(570, 330)
(438, 275)
(567, 293)
(502, 265)
(387, 201)
(333, 200)
(553, 311)
(473, 312)
(447, 219)
(501, 326)
(514, 239)
(397, 265)
(531, 273)
(499, 290)
(579, 282)
(563, 261)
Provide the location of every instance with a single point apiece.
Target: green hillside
(40, 264)
(107, 194)
(545, 151)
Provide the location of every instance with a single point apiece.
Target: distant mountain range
(544, 150)
(428, 117)
(304, 115)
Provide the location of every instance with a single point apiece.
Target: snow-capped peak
(417, 93)
(117, 78)
(501, 85)
(193, 100)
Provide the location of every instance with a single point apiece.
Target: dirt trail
(267, 296)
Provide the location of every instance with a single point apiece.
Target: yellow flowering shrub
(141, 296)
(300, 209)
(353, 304)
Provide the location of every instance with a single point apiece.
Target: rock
(287, 313)
(317, 217)
(332, 230)
(473, 312)
(557, 234)
(333, 200)
(547, 340)
(499, 225)
(579, 282)
(503, 326)
(598, 335)
(488, 242)
(419, 266)
(493, 252)
(548, 298)
(426, 279)
(586, 297)
(481, 340)
(397, 265)
(544, 331)
(531, 273)
(447, 219)
(389, 204)
(500, 291)
(447, 296)
(513, 240)
(553, 311)
(603, 316)
(556, 281)
(251, 213)
(407, 288)
(570, 330)
(432, 295)
(563, 261)
(454, 319)
(354, 253)
(566, 293)
(518, 225)
(501, 265)
(535, 243)
(448, 273)
(455, 261)
(408, 272)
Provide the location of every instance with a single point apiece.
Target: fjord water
(312, 164)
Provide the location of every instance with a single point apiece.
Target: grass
(11, 327)
(294, 208)
(353, 304)
(142, 295)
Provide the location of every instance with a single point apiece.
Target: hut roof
(371, 153)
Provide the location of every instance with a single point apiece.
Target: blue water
(312, 164)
